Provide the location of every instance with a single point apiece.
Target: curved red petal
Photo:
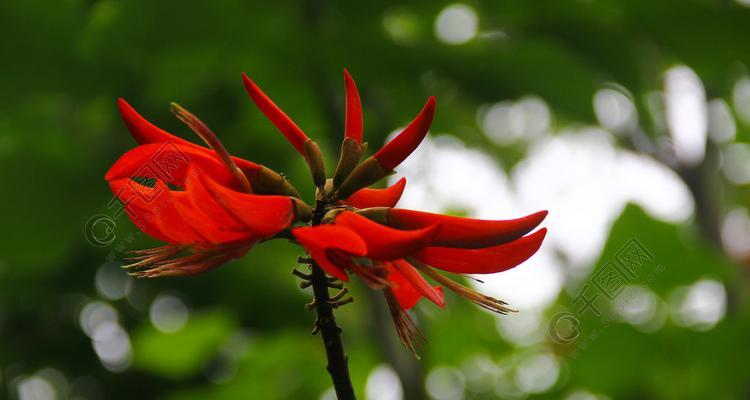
(143, 131)
(152, 209)
(418, 282)
(213, 231)
(204, 201)
(388, 197)
(321, 240)
(466, 232)
(263, 215)
(384, 243)
(283, 123)
(353, 125)
(406, 294)
(483, 261)
(396, 151)
(143, 219)
(168, 162)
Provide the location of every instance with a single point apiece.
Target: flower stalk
(325, 323)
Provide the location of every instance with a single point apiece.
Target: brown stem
(325, 322)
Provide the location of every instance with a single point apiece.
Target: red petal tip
(143, 131)
(283, 123)
(483, 261)
(467, 232)
(353, 125)
(538, 216)
(396, 151)
(388, 197)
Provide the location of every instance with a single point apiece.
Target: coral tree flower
(210, 207)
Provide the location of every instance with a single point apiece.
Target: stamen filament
(208, 136)
(408, 333)
(484, 301)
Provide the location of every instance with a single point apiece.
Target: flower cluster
(210, 207)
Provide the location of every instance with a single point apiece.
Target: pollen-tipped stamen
(484, 301)
(162, 261)
(408, 333)
(182, 266)
(208, 136)
(151, 256)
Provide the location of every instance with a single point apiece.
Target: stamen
(151, 256)
(208, 136)
(162, 261)
(484, 301)
(408, 333)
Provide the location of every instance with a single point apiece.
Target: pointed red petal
(483, 261)
(353, 127)
(417, 281)
(388, 197)
(396, 151)
(466, 232)
(322, 240)
(263, 215)
(283, 123)
(384, 243)
(143, 131)
(152, 209)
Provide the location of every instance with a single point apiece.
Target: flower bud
(314, 160)
(377, 214)
(351, 152)
(367, 173)
(302, 212)
(268, 181)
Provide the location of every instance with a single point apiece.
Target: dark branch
(325, 323)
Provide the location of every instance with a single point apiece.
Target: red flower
(210, 207)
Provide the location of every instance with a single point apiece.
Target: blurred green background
(628, 120)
